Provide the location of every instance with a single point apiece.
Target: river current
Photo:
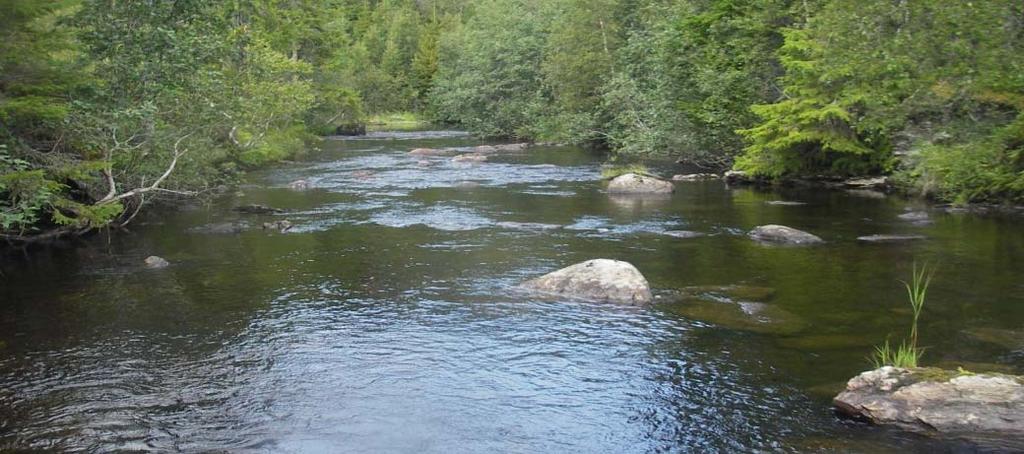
(386, 319)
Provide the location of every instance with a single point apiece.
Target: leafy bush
(277, 145)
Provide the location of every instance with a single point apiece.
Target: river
(385, 319)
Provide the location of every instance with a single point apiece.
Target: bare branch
(178, 153)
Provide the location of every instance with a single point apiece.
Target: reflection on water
(385, 320)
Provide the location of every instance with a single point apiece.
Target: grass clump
(907, 354)
(612, 171)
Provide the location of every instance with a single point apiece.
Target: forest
(109, 105)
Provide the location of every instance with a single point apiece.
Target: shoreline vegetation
(93, 127)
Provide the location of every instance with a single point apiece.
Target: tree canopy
(107, 105)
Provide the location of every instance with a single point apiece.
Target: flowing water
(386, 319)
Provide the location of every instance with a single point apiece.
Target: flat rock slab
(876, 183)
(914, 216)
(696, 177)
(785, 203)
(527, 225)
(600, 280)
(429, 152)
(501, 148)
(890, 238)
(471, 158)
(783, 235)
(632, 183)
(963, 405)
(685, 234)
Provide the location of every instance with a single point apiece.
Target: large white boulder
(601, 280)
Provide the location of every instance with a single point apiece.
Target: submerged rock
(601, 280)
(468, 185)
(890, 238)
(298, 185)
(219, 228)
(729, 292)
(866, 193)
(283, 225)
(154, 262)
(782, 234)
(501, 148)
(258, 209)
(472, 158)
(963, 405)
(428, 152)
(527, 225)
(914, 216)
(685, 234)
(632, 183)
(696, 177)
(750, 316)
(1006, 338)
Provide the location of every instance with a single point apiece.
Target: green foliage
(100, 98)
(277, 145)
(489, 77)
(938, 83)
(902, 355)
(609, 172)
(907, 354)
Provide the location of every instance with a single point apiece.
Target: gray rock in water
(695, 177)
(283, 225)
(964, 405)
(737, 177)
(600, 280)
(782, 234)
(632, 183)
(258, 209)
(785, 203)
(876, 183)
(154, 262)
(428, 152)
(298, 185)
(889, 238)
(471, 158)
(684, 234)
(914, 216)
(501, 148)
(527, 225)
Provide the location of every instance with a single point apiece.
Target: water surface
(386, 321)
